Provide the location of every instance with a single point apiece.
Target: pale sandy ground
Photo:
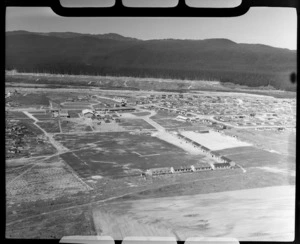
(128, 116)
(277, 170)
(173, 139)
(214, 140)
(265, 214)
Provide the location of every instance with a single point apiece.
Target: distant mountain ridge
(114, 54)
(110, 36)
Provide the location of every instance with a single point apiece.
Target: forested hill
(113, 54)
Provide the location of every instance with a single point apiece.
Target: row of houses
(175, 170)
(115, 109)
(88, 113)
(164, 96)
(187, 169)
(120, 100)
(58, 112)
(15, 140)
(187, 119)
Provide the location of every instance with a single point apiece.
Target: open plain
(123, 162)
(260, 214)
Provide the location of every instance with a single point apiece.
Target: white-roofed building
(63, 113)
(181, 118)
(88, 113)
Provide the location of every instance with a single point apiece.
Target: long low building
(116, 109)
(181, 118)
(178, 170)
(202, 168)
(183, 169)
(160, 171)
(122, 109)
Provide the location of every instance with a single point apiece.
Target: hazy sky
(271, 26)
(150, 3)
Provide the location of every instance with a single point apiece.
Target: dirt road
(59, 147)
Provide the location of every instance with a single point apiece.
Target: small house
(55, 112)
(87, 113)
(64, 113)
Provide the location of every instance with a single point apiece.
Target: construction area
(70, 152)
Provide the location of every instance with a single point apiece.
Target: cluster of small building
(114, 109)
(185, 116)
(188, 169)
(90, 112)
(236, 110)
(121, 100)
(107, 117)
(60, 113)
(202, 121)
(8, 98)
(256, 119)
(10, 93)
(14, 139)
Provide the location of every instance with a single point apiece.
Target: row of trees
(251, 79)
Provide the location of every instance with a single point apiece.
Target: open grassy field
(39, 111)
(213, 182)
(76, 107)
(172, 123)
(135, 124)
(42, 116)
(168, 120)
(141, 113)
(163, 115)
(50, 126)
(70, 126)
(41, 181)
(54, 226)
(74, 113)
(248, 215)
(282, 142)
(120, 154)
(31, 99)
(38, 148)
(103, 100)
(33, 130)
(59, 96)
(255, 157)
(16, 115)
(46, 225)
(76, 104)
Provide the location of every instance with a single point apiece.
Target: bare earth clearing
(261, 214)
(173, 139)
(214, 140)
(83, 175)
